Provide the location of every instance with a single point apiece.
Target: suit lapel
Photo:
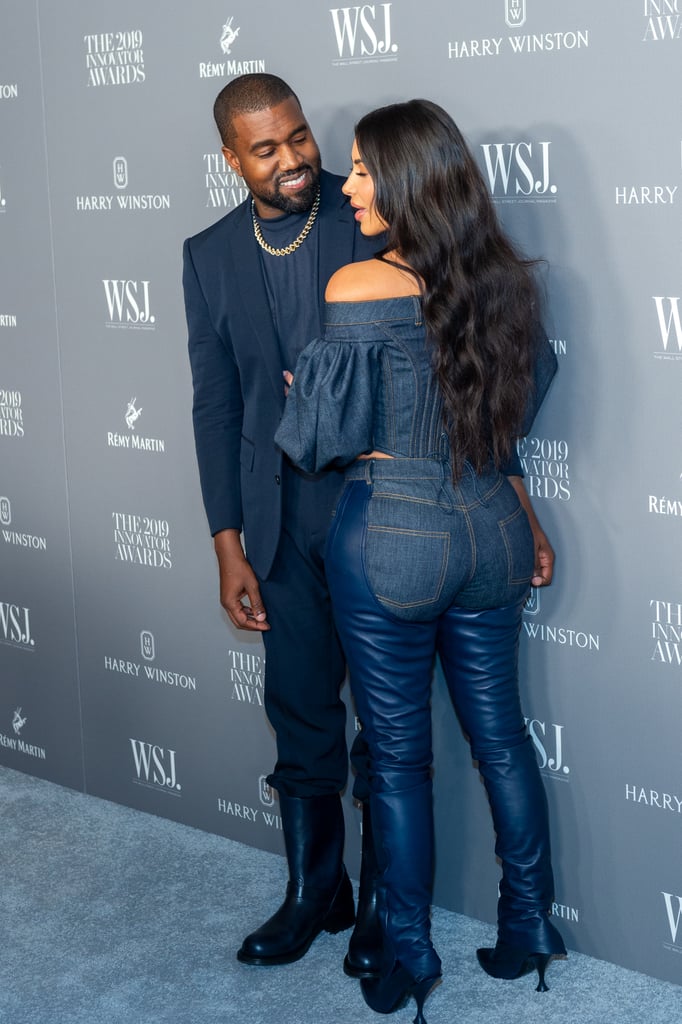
(250, 281)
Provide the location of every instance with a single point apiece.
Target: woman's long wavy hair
(478, 293)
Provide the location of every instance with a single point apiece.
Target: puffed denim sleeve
(328, 414)
(545, 367)
(546, 364)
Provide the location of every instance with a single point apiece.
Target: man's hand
(239, 591)
(544, 553)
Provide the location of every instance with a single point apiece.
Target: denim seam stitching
(502, 525)
(408, 497)
(472, 542)
(363, 557)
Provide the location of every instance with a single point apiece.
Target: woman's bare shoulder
(367, 280)
(352, 283)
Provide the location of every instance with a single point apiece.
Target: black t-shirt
(292, 283)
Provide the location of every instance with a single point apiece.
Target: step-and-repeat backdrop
(120, 675)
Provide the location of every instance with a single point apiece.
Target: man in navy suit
(254, 287)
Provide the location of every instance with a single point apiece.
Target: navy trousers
(305, 666)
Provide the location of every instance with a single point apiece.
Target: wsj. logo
(15, 626)
(515, 13)
(147, 645)
(228, 36)
(265, 792)
(549, 746)
(370, 24)
(120, 172)
(519, 167)
(18, 721)
(155, 766)
(669, 323)
(128, 304)
(674, 913)
(5, 512)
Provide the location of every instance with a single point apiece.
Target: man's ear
(232, 159)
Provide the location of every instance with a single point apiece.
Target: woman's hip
(420, 544)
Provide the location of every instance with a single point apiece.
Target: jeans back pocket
(406, 562)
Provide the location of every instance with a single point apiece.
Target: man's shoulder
(221, 230)
(331, 179)
(330, 189)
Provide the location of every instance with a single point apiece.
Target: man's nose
(289, 159)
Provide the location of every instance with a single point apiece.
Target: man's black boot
(319, 894)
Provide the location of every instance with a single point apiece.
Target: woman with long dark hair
(432, 364)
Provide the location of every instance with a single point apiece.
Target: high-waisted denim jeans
(427, 544)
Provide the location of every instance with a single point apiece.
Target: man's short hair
(246, 95)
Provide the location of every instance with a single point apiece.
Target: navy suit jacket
(237, 366)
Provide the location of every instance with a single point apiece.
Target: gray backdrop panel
(120, 674)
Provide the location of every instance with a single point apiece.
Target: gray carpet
(111, 915)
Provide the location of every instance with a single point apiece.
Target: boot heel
(391, 992)
(420, 991)
(510, 962)
(539, 962)
(338, 921)
(341, 914)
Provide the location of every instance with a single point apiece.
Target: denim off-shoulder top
(368, 385)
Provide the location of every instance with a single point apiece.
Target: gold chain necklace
(293, 246)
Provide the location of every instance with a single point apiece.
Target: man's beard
(301, 202)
